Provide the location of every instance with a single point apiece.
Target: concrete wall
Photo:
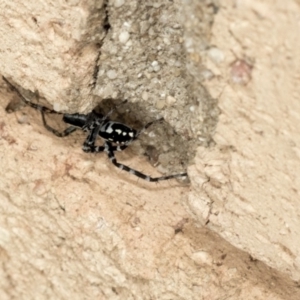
(224, 77)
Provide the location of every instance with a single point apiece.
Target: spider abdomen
(117, 133)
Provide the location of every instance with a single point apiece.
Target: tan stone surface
(248, 185)
(47, 47)
(73, 226)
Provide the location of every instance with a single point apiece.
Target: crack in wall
(106, 26)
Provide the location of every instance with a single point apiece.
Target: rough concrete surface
(247, 185)
(224, 77)
(52, 47)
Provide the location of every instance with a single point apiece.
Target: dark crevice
(106, 27)
(106, 24)
(96, 67)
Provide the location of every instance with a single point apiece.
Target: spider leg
(97, 122)
(89, 144)
(43, 110)
(96, 149)
(109, 149)
(66, 132)
(113, 109)
(144, 128)
(33, 105)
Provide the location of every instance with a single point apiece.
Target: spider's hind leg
(109, 149)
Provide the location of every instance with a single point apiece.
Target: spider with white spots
(117, 136)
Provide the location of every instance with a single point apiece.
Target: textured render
(247, 186)
(72, 226)
(55, 43)
(116, 49)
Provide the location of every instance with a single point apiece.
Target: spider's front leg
(43, 110)
(66, 132)
(33, 105)
(89, 143)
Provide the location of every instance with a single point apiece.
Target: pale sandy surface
(74, 227)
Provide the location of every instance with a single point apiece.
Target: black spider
(117, 136)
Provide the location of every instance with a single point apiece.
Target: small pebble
(216, 55)
(160, 104)
(156, 68)
(167, 41)
(170, 100)
(124, 37)
(119, 3)
(202, 257)
(155, 65)
(145, 96)
(111, 74)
